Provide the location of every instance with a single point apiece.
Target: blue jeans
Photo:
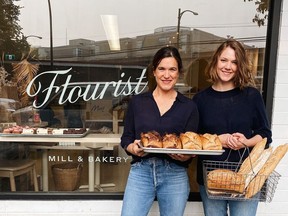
(159, 178)
(214, 207)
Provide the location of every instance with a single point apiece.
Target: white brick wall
(278, 207)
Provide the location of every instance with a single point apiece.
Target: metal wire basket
(236, 189)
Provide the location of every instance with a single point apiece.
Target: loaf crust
(211, 142)
(258, 165)
(171, 141)
(191, 140)
(257, 150)
(225, 180)
(257, 183)
(151, 139)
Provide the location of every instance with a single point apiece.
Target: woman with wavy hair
(233, 109)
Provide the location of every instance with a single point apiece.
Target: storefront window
(66, 79)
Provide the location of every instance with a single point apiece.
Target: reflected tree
(262, 7)
(12, 41)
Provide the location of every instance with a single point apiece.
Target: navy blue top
(143, 115)
(231, 111)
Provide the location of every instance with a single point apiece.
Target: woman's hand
(237, 141)
(223, 139)
(134, 149)
(248, 142)
(181, 157)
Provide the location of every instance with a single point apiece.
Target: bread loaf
(191, 140)
(171, 141)
(211, 142)
(225, 180)
(257, 183)
(151, 139)
(258, 165)
(257, 150)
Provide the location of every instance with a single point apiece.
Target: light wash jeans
(214, 207)
(159, 178)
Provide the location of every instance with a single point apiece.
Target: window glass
(73, 65)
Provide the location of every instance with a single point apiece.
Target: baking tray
(181, 151)
(48, 135)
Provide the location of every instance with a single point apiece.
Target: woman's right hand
(224, 139)
(134, 149)
(231, 141)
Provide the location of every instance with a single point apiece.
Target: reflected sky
(73, 19)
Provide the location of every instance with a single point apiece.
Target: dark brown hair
(164, 52)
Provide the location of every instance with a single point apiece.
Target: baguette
(225, 180)
(257, 183)
(258, 165)
(257, 150)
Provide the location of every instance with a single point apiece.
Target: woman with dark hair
(233, 109)
(164, 110)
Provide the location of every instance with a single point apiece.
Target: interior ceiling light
(110, 24)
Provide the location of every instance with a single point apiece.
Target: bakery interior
(104, 116)
(54, 117)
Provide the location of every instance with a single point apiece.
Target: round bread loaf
(171, 141)
(227, 180)
(211, 142)
(191, 140)
(151, 139)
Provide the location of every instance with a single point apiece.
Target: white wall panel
(280, 131)
(282, 75)
(283, 48)
(285, 6)
(277, 142)
(283, 32)
(65, 207)
(278, 207)
(281, 90)
(280, 118)
(279, 194)
(280, 105)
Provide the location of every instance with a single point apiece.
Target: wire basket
(233, 186)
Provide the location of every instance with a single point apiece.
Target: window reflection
(80, 43)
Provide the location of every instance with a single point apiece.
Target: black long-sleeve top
(231, 111)
(143, 116)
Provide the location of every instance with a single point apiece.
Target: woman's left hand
(181, 157)
(237, 141)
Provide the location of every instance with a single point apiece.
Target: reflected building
(195, 46)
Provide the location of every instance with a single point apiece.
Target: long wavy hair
(243, 77)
